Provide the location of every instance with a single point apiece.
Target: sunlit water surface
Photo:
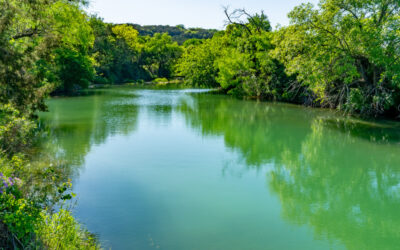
(184, 169)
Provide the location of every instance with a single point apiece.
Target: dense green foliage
(44, 47)
(68, 236)
(239, 60)
(117, 60)
(123, 55)
(37, 39)
(197, 62)
(160, 54)
(343, 54)
(15, 130)
(348, 54)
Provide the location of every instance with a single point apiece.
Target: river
(185, 169)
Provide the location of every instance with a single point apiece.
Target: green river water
(185, 169)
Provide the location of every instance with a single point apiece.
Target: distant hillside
(179, 33)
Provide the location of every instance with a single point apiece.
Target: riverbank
(29, 191)
(181, 84)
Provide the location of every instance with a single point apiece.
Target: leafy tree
(239, 60)
(73, 64)
(129, 35)
(74, 69)
(16, 131)
(193, 41)
(29, 32)
(346, 52)
(118, 53)
(161, 54)
(111, 54)
(248, 69)
(197, 62)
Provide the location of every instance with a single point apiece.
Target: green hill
(178, 33)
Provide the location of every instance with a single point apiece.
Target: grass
(62, 231)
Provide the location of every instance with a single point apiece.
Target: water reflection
(258, 131)
(339, 177)
(329, 174)
(345, 189)
(382, 132)
(76, 124)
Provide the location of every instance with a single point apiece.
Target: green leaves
(73, 68)
(16, 131)
(197, 63)
(343, 54)
(239, 60)
(61, 231)
(20, 216)
(32, 34)
(160, 55)
(129, 35)
(343, 45)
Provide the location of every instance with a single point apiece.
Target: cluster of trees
(238, 59)
(343, 54)
(122, 54)
(130, 52)
(55, 47)
(178, 33)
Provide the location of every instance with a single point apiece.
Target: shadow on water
(329, 173)
(384, 132)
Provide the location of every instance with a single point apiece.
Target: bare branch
(26, 33)
(234, 18)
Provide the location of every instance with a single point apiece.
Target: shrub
(62, 231)
(160, 80)
(15, 130)
(18, 214)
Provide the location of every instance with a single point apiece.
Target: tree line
(56, 47)
(342, 54)
(178, 33)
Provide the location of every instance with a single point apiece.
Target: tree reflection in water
(73, 126)
(339, 176)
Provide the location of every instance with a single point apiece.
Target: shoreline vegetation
(342, 55)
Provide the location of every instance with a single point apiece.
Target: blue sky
(191, 13)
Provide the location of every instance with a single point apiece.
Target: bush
(15, 130)
(18, 214)
(24, 224)
(62, 231)
(160, 80)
